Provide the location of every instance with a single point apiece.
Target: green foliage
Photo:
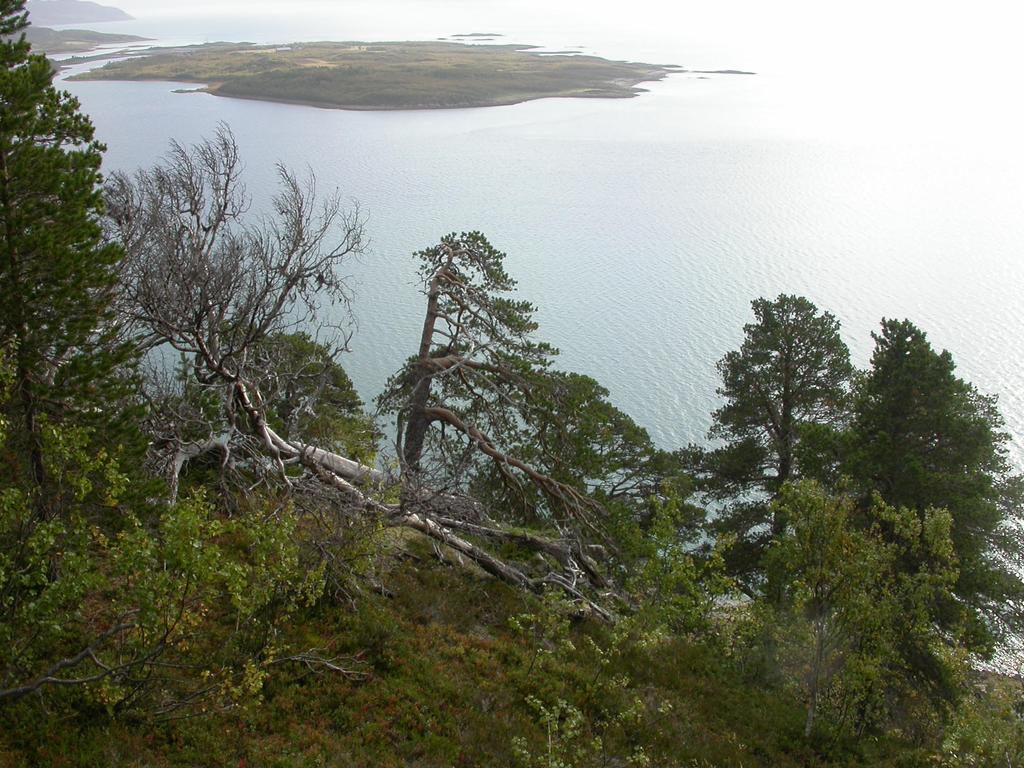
(183, 613)
(106, 601)
(69, 451)
(547, 629)
(185, 584)
(922, 437)
(580, 437)
(857, 624)
(568, 743)
(131, 616)
(674, 585)
(792, 371)
(310, 397)
(446, 687)
(40, 606)
(56, 272)
(573, 434)
(988, 727)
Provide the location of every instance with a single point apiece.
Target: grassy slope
(449, 687)
(386, 75)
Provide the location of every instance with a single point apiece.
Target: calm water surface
(875, 177)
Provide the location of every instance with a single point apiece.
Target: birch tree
(856, 620)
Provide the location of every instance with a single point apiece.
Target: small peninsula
(381, 76)
(52, 41)
(50, 12)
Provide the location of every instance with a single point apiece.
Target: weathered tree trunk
(811, 712)
(417, 422)
(308, 455)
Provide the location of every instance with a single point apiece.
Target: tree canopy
(924, 438)
(56, 270)
(791, 372)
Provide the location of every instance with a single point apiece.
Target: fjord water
(873, 164)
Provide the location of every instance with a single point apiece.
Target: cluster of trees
(185, 467)
(161, 520)
(877, 507)
(103, 584)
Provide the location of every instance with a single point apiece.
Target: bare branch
(52, 676)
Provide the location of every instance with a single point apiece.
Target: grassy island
(51, 41)
(399, 75)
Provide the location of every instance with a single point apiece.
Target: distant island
(377, 76)
(46, 40)
(721, 72)
(55, 12)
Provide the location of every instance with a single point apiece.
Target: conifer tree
(67, 442)
(923, 437)
(56, 272)
(792, 372)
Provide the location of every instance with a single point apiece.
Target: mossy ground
(449, 684)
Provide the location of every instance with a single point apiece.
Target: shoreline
(361, 108)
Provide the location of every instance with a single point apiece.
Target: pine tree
(56, 272)
(791, 372)
(68, 443)
(925, 438)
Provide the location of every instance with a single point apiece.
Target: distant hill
(50, 12)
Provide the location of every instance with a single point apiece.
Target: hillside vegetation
(213, 552)
(454, 669)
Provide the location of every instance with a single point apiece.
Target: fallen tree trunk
(443, 531)
(502, 570)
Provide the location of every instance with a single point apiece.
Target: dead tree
(202, 278)
(205, 281)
